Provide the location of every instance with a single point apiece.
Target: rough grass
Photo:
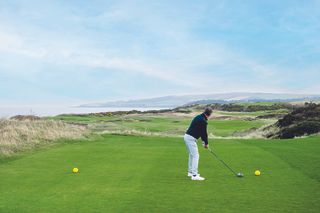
(19, 135)
(252, 114)
(158, 124)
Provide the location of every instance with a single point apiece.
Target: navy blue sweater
(198, 128)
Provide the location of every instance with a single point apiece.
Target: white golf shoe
(197, 177)
(190, 174)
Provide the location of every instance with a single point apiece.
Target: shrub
(18, 135)
(304, 128)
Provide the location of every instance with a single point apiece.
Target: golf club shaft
(214, 154)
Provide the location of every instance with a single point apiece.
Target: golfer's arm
(204, 135)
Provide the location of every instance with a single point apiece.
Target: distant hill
(303, 99)
(179, 100)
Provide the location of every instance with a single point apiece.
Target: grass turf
(148, 174)
(166, 125)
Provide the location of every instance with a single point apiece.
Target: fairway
(148, 174)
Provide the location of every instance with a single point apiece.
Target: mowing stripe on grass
(148, 174)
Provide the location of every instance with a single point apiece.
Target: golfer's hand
(206, 146)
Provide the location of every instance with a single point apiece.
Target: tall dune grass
(19, 135)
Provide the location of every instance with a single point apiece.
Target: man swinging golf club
(197, 129)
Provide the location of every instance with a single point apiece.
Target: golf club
(216, 156)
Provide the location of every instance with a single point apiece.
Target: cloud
(180, 66)
(57, 53)
(191, 46)
(10, 43)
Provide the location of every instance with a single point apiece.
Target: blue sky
(86, 51)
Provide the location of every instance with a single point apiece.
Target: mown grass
(148, 174)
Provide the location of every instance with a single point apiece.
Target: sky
(78, 51)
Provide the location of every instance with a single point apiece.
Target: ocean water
(8, 111)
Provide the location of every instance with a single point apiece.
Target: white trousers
(192, 147)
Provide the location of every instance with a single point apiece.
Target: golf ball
(257, 173)
(75, 170)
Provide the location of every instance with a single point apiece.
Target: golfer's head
(208, 111)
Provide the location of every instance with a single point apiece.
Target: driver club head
(240, 174)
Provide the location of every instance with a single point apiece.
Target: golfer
(197, 129)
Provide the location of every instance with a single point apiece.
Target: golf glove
(204, 145)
